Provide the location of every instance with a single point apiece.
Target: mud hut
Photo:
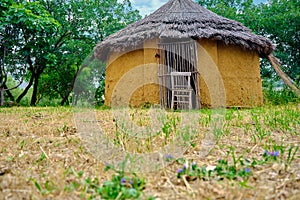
(184, 56)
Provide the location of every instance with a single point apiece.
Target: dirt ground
(41, 151)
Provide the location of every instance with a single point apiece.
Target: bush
(279, 96)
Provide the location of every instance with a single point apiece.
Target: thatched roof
(183, 19)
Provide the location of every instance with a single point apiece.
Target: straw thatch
(182, 19)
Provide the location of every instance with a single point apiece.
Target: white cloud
(147, 7)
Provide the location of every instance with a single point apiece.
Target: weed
(191, 171)
(235, 160)
(42, 157)
(169, 158)
(46, 188)
(279, 97)
(9, 158)
(120, 186)
(169, 127)
(291, 155)
(22, 144)
(239, 170)
(274, 129)
(270, 155)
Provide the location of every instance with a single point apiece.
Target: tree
(25, 27)
(84, 24)
(277, 20)
(20, 23)
(280, 21)
(49, 40)
(6, 50)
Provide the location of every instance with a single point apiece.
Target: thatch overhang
(183, 19)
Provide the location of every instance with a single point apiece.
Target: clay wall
(131, 78)
(229, 76)
(237, 75)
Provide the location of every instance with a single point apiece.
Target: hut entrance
(178, 65)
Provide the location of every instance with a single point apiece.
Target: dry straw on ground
(41, 145)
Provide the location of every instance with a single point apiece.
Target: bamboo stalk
(286, 79)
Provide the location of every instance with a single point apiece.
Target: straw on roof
(183, 19)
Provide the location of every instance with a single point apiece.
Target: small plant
(169, 158)
(9, 158)
(270, 155)
(147, 105)
(169, 127)
(191, 171)
(291, 155)
(73, 183)
(41, 158)
(22, 144)
(239, 170)
(46, 188)
(121, 186)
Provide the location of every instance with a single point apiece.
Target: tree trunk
(286, 79)
(76, 99)
(2, 96)
(25, 90)
(35, 89)
(65, 99)
(11, 97)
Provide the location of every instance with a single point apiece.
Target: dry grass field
(256, 156)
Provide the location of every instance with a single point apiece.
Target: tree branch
(12, 98)
(60, 40)
(7, 89)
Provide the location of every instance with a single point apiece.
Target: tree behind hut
(277, 20)
(57, 49)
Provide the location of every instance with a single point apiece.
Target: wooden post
(286, 79)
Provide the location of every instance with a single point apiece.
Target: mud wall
(229, 75)
(131, 78)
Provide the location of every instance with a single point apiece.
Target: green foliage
(277, 20)
(122, 186)
(26, 28)
(291, 155)
(191, 171)
(84, 24)
(169, 127)
(45, 188)
(280, 21)
(280, 96)
(46, 42)
(10, 83)
(99, 95)
(240, 169)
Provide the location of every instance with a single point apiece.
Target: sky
(146, 7)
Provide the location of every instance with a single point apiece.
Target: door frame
(177, 55)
